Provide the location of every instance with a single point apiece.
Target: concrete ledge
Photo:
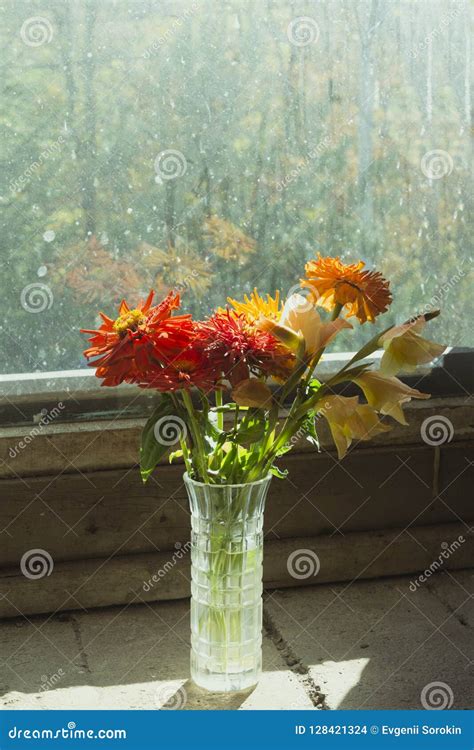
(364, 644)
(134, 579)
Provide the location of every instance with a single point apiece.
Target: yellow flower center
(129, 321)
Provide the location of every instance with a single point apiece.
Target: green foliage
(151, 448)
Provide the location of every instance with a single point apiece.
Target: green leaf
(152, 448)
(309, 427)
(174, 455)
(279, 473)
(251, 429)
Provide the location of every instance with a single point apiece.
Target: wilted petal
(349, 420)
(405, 349)
(252, 392)
(387, 394)
(331, 329)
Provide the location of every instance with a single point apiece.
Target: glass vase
(226, 586)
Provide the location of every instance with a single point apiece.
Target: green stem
(220, 414)
(197, 436)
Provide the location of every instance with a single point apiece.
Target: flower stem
(196, 435)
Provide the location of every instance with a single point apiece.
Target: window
(211, 147)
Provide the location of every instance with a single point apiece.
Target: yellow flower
(405, 348)
(255, 306)
(349, 420)
(387, 395)
(300, 317)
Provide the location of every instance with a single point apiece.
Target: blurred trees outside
(213, 147)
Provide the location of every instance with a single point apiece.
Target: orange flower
(364, 294)
(138, 340)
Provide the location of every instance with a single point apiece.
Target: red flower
(238, 347)
(189, 369)
(138, 340)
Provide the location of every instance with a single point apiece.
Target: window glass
(216, 146)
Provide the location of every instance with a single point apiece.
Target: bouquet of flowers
(263, 354)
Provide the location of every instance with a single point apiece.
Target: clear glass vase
(226, 587)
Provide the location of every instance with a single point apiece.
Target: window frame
(83, 399)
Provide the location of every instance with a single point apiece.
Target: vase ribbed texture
(226, 586)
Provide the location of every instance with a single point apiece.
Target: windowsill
(94, 445)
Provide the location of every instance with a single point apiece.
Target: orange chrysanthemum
(364, 294)
(138, 340)
(238, 347)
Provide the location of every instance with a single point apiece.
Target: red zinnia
(138, 340)
(189, 369)
(238, 347)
